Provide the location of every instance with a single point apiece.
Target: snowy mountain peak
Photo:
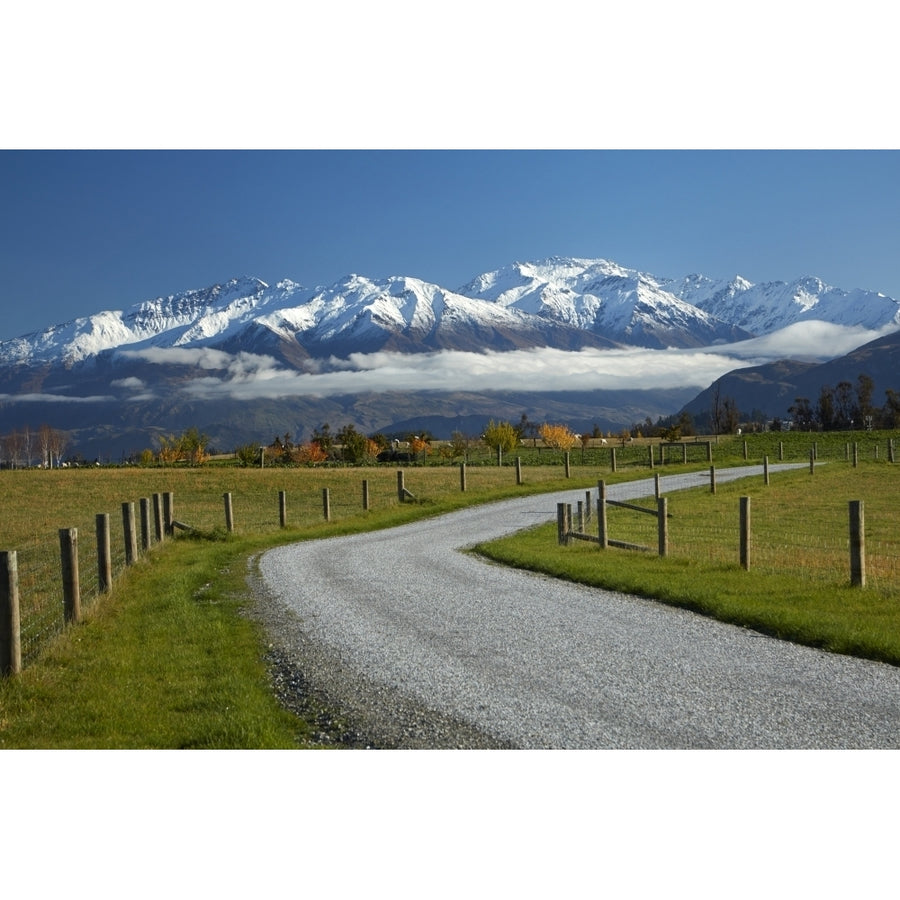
(558, 301)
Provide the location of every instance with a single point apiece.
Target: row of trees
(847, 407)
(505, 436)
(189, 447)
(27, 447)
(349, 445)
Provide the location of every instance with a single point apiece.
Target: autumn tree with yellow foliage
(559, 437)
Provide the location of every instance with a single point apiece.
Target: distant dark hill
(774, 387)
(879, 359)
(582, 411)
(231, 359)
(115, 429)
(771, 388)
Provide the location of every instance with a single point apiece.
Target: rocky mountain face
(564, 303)
(136, 371)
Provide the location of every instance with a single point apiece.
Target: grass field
(167, 659)
(797, 585)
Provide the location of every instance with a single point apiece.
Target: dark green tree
(323, 437)
(825, 411)
(354, 445)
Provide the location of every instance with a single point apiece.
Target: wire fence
(799, 531)
(40, 593)
(806, 535)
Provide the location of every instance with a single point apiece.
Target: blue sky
(84, 231)
(87, 229)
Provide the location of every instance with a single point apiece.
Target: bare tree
(45, 438)
(27, 444)
(59, 440)
(12, 444)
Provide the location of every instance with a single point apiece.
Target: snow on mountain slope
(174, 320)
(771, 306)
(602, 297)
(567, 303)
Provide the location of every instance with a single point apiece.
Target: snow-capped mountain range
(559, 302)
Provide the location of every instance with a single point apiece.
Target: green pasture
(797, 582)
(168, 657)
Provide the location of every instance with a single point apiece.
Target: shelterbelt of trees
(27, 447)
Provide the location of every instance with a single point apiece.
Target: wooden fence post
(656, 485)
(781, 450)
(765, 470)
(712, 479)
(662, 516)
(650, 452)
(282, 508)
(128, 527)
(857, 544)
(587, 506)
(169, 512)
(745, 532)
(890, 450)
(145, 523)
(462, 477)
(499, 455)
(612, 459)
(812, 461)
(518, 470)
(563, 520)
(602, 532)
(158, 517)
(104, 554)
(401, 487)
(326, 504)
(855, 455)
(68, 552)
(229, 512)
(10, 626)
(568, 464)
(365, 494)
(580, 516)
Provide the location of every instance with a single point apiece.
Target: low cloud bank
(250, 376)
(53, 398)
(812, 341)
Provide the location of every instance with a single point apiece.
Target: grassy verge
(800, 589)
(166, 659)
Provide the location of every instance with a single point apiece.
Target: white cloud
(247, 376)
(52, 398)
(128, 383)
(812, 340)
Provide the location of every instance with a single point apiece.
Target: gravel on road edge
(344, 709)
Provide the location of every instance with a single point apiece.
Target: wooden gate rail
(566, 532)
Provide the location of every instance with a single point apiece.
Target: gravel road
(421, 645)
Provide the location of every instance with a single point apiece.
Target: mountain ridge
(560, 301)
(120, 378)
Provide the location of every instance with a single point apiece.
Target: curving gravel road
(421, 645)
